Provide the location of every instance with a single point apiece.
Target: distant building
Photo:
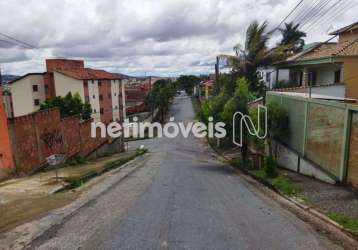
(101, 89)
(269, 78)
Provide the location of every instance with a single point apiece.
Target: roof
(325, 50)
(350, 27)
(24, 76)
(89, 74)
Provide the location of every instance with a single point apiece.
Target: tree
(69, 105)
(160, 96)
(254, 54)
(277, 123)
(292, 38)
(238, 103)
(187, 83)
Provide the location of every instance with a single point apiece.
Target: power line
(326, 13)
(24, 44)
(327, 19)
(321, 8)
(291, 12)
(308, 12)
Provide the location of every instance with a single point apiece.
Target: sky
(142, 37)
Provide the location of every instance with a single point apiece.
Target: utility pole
(217, 73)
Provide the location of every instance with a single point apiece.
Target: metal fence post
(345, 145)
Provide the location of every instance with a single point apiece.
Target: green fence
(319, 131)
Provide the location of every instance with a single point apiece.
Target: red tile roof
(324, 50)
(89, 74)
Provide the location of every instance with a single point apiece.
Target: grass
(77, 181)
(280, 182)
(345, 221)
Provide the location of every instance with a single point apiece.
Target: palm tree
(254, 54)
(292, 37)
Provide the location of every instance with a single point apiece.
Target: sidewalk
(23, 199)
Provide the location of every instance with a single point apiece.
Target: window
(99, 83)
(109, 96)
(87, 99)
(92, 81)
(94, 111)
(115, 94)
(100, 97)
(101, 110)
(94, 97)
(337, 76)
(35, 88)
(37, 102)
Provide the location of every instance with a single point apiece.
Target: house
(327, 68)
(101, 89)
(269, 77)
(6, 160)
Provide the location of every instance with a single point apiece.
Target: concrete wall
(115, 92)
(350, 66)
(333, 90)
(288, 159)
(23, 96)
(93, 93)
(65, 84)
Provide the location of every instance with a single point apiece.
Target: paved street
(182, 198)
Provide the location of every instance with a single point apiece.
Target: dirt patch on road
(25, 210)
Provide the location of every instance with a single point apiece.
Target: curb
(22, 237)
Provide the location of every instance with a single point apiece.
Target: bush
(270, 167)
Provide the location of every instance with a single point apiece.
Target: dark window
(268, 77)
(115, 94)
(99, 82)
(337, 76)
(100, 97)
(94, 97)
(101, 111)
(37, 102)
(94, 111)
(35, 88)
(109, 96)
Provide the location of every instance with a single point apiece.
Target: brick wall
(39, 135)
(106, 102)
(61, 64)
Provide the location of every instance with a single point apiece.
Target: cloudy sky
(161, 37)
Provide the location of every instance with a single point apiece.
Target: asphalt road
(183, 198)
